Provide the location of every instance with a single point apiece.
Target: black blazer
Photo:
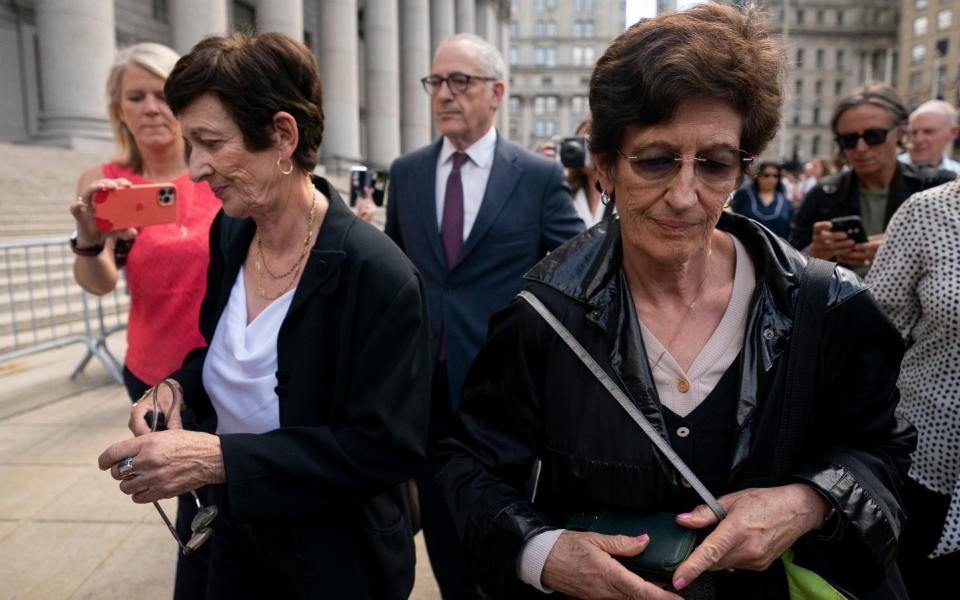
(352, 379)
(526, 212)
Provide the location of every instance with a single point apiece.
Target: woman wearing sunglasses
(765, 200)
(689, 311)
(868, 126)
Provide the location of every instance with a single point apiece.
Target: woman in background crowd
(765, 200)
(165, 264)
(916, 278)
(816, 168)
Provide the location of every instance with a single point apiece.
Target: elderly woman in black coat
(312, 448)
(691, 312)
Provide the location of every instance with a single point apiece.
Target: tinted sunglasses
(715, 166)
(873, 137)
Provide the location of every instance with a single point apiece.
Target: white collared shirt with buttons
(474, 175)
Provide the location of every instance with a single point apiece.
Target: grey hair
(878, 94)
(488, 56)
(938, 106)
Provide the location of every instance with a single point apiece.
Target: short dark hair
(255, 77)
(877, 94)
(709, 51)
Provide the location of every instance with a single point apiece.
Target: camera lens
(573, 153)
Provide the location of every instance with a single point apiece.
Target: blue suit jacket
(526, 212)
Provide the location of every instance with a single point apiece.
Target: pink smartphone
(135, 206)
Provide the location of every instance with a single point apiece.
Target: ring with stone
(125, 468)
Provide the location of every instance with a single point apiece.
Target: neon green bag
(804, 584)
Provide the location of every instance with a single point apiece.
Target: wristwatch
(84, 250)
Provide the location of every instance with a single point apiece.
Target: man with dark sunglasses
(868, 126)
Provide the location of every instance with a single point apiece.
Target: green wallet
(669, 543)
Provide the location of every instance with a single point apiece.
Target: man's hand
(580, 565)
(166, 463)
(366, 207)
(761, 524)
(828, 244)
(864, 254)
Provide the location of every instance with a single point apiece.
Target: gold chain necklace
(686, 314)
(294, 271)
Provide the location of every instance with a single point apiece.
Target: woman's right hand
(82, 211)
(169, 404)
(581, 565)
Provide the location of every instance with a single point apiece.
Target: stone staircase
(40, 304)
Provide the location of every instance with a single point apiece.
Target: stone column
(380, 29)
(487, 24)
(76, 50)
(282, 16)
(466, 19)
(191, 21)
(339, 72)
(414, 64)
(526, 122)
(564, 125)
(442, 26)
(504, 39)
(441, 23)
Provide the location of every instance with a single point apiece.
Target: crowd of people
(561, 375)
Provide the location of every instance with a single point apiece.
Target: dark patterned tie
(451, 226)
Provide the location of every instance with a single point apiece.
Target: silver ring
(125, 468)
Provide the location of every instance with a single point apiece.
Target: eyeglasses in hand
(200, 526)
(456, 81)
(714, 166)
(873, 137)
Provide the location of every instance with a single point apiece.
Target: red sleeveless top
(166, 274)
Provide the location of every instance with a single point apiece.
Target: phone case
(670, 544)
(135, 206)
(852, 226)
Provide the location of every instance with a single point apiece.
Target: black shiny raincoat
(527, 397)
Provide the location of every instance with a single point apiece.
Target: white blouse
(916, 278)
(240, 370)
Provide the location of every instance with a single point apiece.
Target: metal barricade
(42, 307)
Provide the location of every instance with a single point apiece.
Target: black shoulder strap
(798, 400)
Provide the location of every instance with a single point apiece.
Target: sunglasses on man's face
(873, 137)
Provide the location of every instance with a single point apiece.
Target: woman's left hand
(166, 463)
(761, 524)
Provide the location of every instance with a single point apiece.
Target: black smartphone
(851, 225)
(358, 181)
(378, 183)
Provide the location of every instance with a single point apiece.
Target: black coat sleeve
(865, 446)
(485, 466)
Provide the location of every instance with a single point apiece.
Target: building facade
(553, 47)
(371, 55)
(929, 51)
(666, 6)
(832, 47)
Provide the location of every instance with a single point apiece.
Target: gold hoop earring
(280, 160)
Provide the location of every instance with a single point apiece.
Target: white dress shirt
(474, 175)
(708, 367)
(240, 370)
